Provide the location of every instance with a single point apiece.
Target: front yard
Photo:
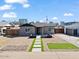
(15, 44)
(61, 46)
(57, 43)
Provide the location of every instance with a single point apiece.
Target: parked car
(32, 36)
(47, 36)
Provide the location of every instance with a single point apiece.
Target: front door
(75, 32)
(38, 30)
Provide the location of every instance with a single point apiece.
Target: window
(49, 29)
(27, 29)
(4, 30)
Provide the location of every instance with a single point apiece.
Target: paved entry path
(37, 45)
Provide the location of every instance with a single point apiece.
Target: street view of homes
(31, 29)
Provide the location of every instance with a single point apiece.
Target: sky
(38, 10)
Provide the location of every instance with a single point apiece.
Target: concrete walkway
(37, 45)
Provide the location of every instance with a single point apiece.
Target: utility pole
(46, 19)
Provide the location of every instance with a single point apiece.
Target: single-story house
(26, 29)
(37, 28)
(72, 29)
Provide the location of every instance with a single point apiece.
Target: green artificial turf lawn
(61, 46)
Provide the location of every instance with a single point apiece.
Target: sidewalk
(41, 55)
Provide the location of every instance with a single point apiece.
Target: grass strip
(42, 47)
(30, 50)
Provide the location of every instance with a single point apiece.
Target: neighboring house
(37, 28)
(67, 23)
(59, 29)
(3, 26)
(13, 31)
(72, 29)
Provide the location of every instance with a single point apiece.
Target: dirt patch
(15, 44)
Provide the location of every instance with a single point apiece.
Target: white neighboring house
(72, 29)
(3, 27)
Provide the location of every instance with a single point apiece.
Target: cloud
(5, 7)
(55, 18)
(9, 15)
(24, 3)
(68, 14)
(17, 1)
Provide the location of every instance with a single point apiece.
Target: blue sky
(37, 10)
